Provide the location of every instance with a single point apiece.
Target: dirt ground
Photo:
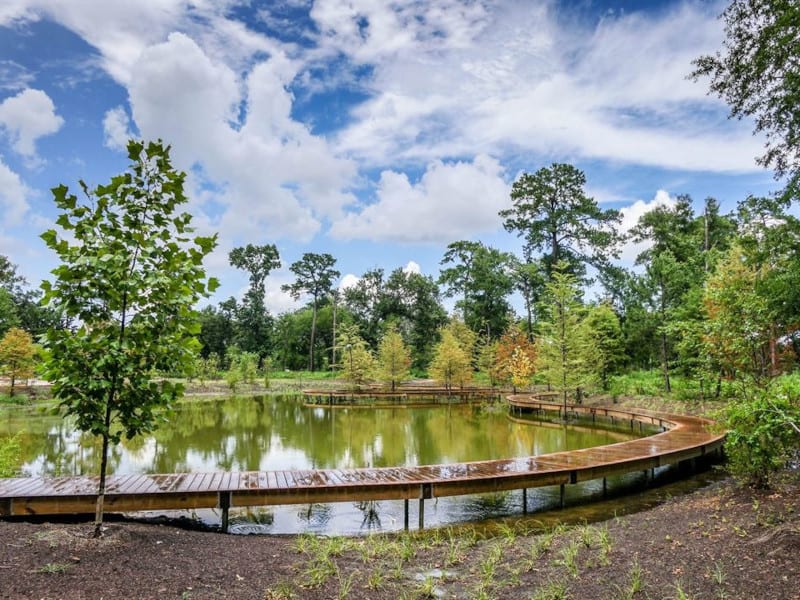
(719, 542)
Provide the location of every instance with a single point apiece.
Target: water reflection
(274, 433)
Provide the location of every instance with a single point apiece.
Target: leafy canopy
(130, 276)
(758, 74)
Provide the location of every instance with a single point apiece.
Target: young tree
(254, 323)
(516, 356)
(604, 341)
(17, 355)
(394, 358)
(451, 363)
(556, 218)
(130, 275)
(315, 275)
(358, 364)
(739, 325)
(561, 345)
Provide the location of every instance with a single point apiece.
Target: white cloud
(14, 76)
(532, 79)
(630, 218)
(371, 30)
(277, 178)
(412, 267)
(13, 197)
(451, 201)
(348, 281)
(117, 128)
(26, 117)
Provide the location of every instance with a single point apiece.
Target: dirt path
(720, 542)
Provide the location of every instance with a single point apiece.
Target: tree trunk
(313, 334)
(664, 362)
(101, 489)
(333, 348)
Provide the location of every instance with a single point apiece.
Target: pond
(280, 432)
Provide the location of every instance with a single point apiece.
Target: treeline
(660, 314)
(705, 284)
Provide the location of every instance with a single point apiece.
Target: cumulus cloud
(275, 177)
(348, 281)
(412, 267)
(450, 201)
(26, 117)
(630, 218)
(117, 128)
(13, 197)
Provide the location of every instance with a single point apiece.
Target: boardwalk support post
(524, 501)
(405, 514)
(605, 487)
(561, 500)
(225, 504)
(425, 491)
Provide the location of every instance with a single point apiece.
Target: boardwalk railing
(684, 438)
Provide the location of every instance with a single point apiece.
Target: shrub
(763, 432)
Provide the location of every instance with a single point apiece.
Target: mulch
(719, 542)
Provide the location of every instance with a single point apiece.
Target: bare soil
(719, 542)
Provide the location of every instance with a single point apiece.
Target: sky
(376, 131)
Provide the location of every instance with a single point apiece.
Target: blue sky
(379, 132)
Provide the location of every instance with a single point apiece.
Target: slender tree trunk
(333, 348)
(313, 334)
(101, 488)
(13, 379)
(665, 362)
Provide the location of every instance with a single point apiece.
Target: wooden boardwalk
(684, 438)
(404, 394)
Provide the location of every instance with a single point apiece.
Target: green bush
(762, 436)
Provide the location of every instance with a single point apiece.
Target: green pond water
(274, 432)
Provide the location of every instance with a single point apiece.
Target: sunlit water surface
(275, 432)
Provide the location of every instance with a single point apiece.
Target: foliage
(314, 276)
(515, 359)
(603, 334)
(467, 339)
(764, 432)
(757, 74)
(254, 324)
(10, 456)
(451, 363)
(551, 210)
(483, 275)
(521, 367)
(20, 306)
(394, 358)
(17, 355)
(561, 344)
(487, 360)
(130, 275)
(739, 326)
(358, 364)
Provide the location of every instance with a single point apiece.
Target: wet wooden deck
(683, 438)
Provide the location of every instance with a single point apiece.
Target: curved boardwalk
(684, 438)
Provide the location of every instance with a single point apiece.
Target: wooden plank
(687, 437)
